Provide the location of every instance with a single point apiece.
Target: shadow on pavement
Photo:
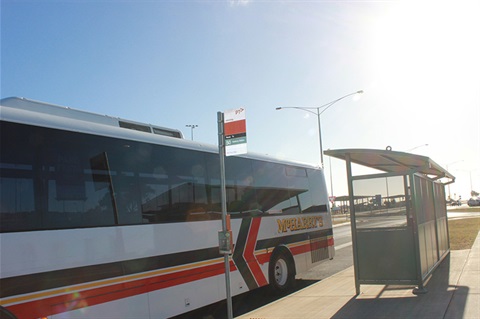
(445, 299)
(243, 303)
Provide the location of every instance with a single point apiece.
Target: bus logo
(299, 223)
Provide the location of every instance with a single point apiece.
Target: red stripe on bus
(309, 247)
(81, 299)
(297, 250)
(249, 253)
(264, 258)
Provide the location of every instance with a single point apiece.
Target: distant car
(473, 202)
(455, 203)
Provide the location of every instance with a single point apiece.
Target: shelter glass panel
(425, 200)
(380, 202)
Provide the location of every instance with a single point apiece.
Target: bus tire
(6, 314)
(281, 271)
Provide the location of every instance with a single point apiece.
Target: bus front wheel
(281, 272)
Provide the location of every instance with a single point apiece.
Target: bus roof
(42, 107)
(26, 111)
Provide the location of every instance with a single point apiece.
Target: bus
(102, 217)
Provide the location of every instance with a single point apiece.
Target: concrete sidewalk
(453, 292)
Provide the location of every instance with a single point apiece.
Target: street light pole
(331, 179)
(317, 112)
(320, 135)
(192, 126)
(414, 148)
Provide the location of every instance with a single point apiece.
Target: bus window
(186, 175)
(17, 208)
(298, 186)
(273, 190)
(212, 163)
(317, 194)
(173, 186)
(63, 195)
(74, 197)
(241, 197)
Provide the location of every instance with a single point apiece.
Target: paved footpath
(453, 292)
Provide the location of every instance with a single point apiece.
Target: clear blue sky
(173, 63)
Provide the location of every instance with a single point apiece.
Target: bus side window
(17, 201)
(317, 195)
(241, 195)
(173, 186)
(214, 201)
(273, 190)
(187, 178)
(298, 185)
(47, 183)
(74, 198)
(126, 160)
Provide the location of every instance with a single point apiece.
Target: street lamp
(318, 113)
(192, 126)
(414, 148)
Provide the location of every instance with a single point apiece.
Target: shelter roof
(393, 161)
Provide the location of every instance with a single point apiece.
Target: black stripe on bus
(238, 258)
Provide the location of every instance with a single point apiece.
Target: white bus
(107, 218)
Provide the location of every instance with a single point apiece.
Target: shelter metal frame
(407, 253)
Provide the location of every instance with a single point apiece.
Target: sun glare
(426, 46)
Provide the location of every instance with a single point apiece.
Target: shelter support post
(353, 223)
(420, 289)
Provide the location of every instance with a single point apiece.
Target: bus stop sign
(235, 131)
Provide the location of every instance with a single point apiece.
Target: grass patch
(463, 232)
(475, 209)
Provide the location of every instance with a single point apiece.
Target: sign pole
(225, 239)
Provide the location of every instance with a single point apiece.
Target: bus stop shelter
(400, 227)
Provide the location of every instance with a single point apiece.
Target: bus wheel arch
(281, 270)
(6, 314)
